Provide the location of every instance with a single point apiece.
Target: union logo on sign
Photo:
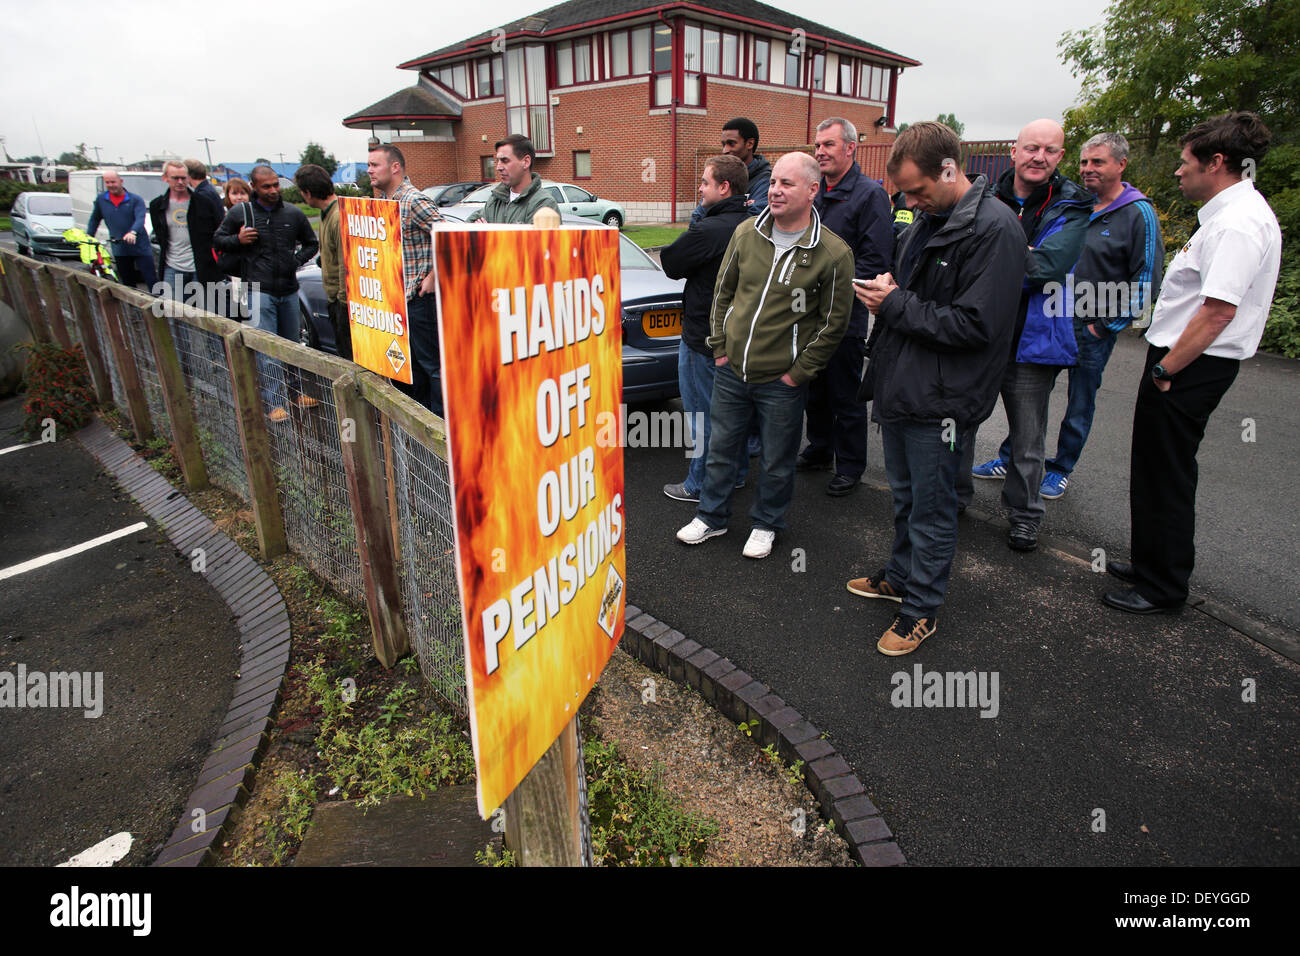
(396, 357)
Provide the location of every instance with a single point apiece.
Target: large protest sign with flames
(372, 264)
(532, 376)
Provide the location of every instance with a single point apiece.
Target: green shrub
(58, 388)
(10, 188)
(1282, 333)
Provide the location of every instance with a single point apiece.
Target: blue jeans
(922, 470)
(1080, 406)
(176, 282)
(279, 315)
(695, 374)
(779, 410)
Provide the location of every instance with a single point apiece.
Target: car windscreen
(481, 194)
(49, 204)
(630, 256)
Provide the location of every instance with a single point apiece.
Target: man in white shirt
(1210, 315)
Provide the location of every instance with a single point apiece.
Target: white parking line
(69, 552)
(30, 444)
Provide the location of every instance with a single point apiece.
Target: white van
(85, 184)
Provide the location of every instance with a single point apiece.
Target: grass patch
(5, 224)
(648, 237)
(634, 821)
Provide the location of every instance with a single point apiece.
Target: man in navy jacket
(123, 213)
(856, 209)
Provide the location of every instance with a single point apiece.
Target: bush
(10, 188)
(1282, 333)
(58, 388)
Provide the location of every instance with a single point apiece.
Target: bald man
(780, 307)
(123, 213)
(1054, 212)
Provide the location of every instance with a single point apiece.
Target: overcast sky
(139, 77)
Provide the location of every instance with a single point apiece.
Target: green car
(38, 220)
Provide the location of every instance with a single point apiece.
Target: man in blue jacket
(123, 213)
(696, 256)
(1053, 212)
(856, 209)
(1115, 281)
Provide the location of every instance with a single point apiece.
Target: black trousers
(338, 312)
(837, 421)
(1167, 432)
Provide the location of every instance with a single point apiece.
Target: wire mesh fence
(246, 391)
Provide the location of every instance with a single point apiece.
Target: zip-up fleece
(1123, 245)
(777, 312)
(941, 343)
(500, 209)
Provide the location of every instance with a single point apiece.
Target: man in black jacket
(857, 210)
(946, 318)
(279, 241)
(696, 256)
(184, 219)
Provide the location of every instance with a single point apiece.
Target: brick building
(627, 98)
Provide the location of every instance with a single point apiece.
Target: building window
(487, 167)
(640, 51)
(527, 107)
(712, 52)
(793, 68)
(819, 71)
(582, 61)
(582, 164)
(760, 60)
(564, 64)
(663, 65)
(618, 53)
(730, 44)
(846, 77)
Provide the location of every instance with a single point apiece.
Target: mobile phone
(861, 282)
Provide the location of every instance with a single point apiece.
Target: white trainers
(759, 544)
(698, 531)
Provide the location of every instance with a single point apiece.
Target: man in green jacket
(519, 194)
(781, 306)
(318, 192)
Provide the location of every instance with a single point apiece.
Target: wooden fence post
(375, 545)
(26, 293)
(53, 310)
(136, 407)
(262, 493)
(544, 813)
(176, 397)
(90, 343)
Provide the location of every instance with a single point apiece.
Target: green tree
(947, 119)
(79, 159)
(315, 153)
(363, 183)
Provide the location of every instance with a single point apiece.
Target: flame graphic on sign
(498, 460)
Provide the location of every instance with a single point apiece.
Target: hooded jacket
(776, 312)
(696, 256)
(945, 337)
(1054, 218)
(499, 208)
(126, 216)
(1123, 245)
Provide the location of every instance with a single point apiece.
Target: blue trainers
(1053, 485)
(997, 468)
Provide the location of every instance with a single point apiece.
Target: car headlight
(41, 230)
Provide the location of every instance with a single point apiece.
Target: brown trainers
(305, 401)
(875, 587)
(278, 414)
(905, 635)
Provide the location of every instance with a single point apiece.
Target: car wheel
(22, 250)
(613, 219)
(307, 330)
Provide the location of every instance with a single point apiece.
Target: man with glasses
(184, 221)
(1053, 212)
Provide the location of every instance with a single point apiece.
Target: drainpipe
(676, 74)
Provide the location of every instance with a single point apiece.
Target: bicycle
(94, 253)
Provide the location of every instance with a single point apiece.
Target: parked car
(38, 220)
(453, 193)
(652, 315)
(571, 199)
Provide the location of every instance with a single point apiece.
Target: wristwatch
(1158, 372)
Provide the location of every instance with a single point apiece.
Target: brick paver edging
(742, 698)
(263, 646)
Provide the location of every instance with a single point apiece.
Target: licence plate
(660, 323)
